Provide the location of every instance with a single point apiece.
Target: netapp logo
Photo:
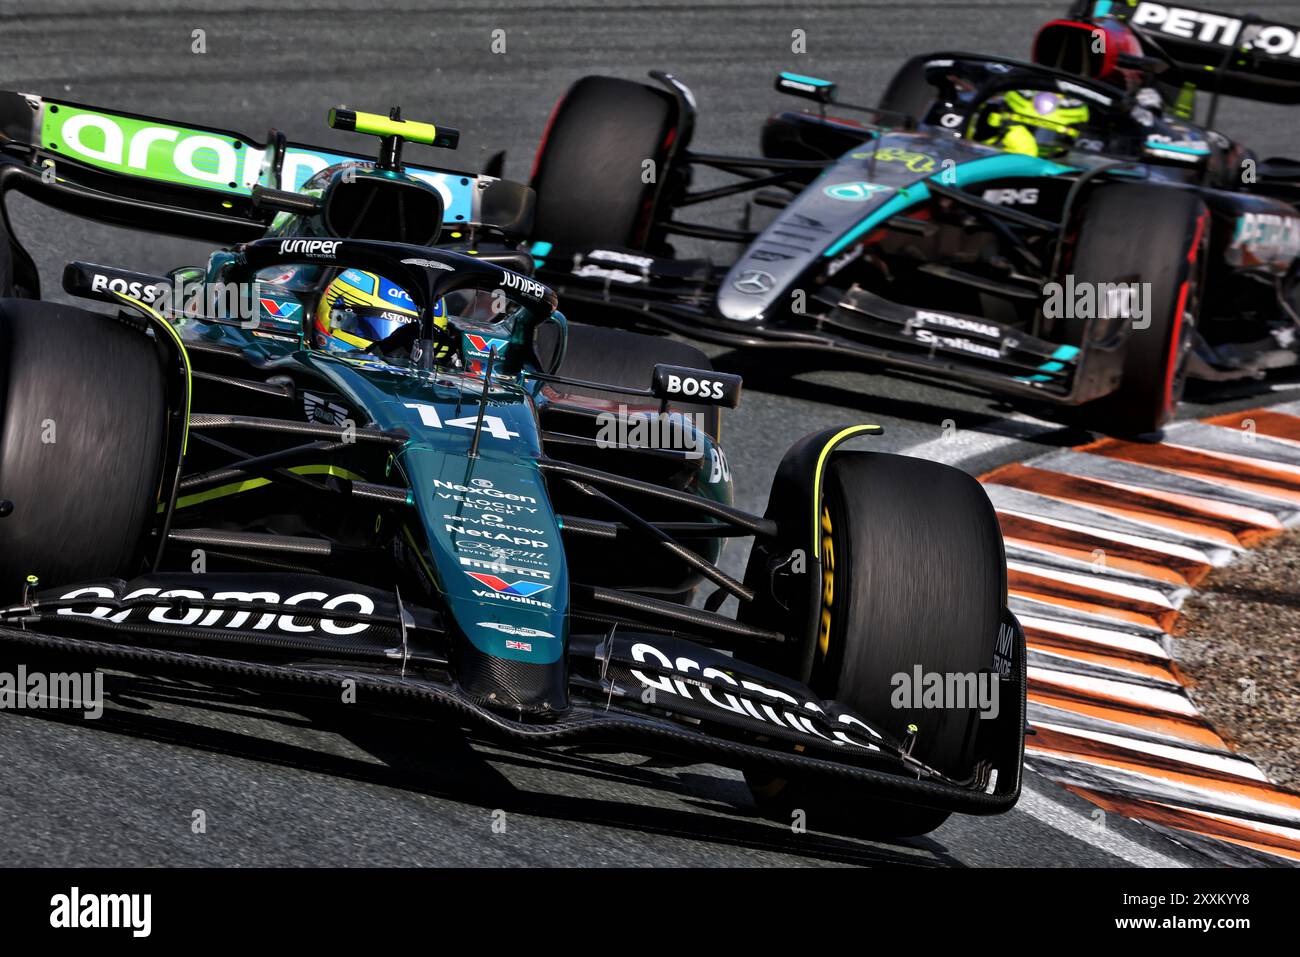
(495, 536)
(1216, 28)
(165, 611)
(319, 248)
(493, 521)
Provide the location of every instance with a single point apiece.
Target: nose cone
(861, 186)
(747, 292)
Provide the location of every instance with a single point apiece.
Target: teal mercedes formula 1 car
(362, 445)
(1072, 231)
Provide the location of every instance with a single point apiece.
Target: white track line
(959, 444)
(1048, 808)
(1132, 475)
(1220, 555)
(1104, 638)
(1100, 584)
(1225, 762)
(1174, 703)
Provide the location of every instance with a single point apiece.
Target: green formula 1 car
(361, 445)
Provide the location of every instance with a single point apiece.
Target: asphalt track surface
(282, 788)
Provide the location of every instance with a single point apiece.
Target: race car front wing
(307, 635)
(677, 295)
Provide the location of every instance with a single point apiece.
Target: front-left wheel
(83, 423)
(914, 581)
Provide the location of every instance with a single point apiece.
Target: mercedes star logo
(754, 281)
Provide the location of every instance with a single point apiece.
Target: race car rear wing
(182, 179)
(1231, 54)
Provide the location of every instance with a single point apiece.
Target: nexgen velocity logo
(519, 589)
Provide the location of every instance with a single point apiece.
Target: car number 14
(493, 425)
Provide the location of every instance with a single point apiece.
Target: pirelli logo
(499, 568)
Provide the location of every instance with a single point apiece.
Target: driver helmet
(1033, 122)
(358, 309)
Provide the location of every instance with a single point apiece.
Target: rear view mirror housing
(806, 87)
(697, 386)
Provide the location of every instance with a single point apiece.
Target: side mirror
(548, 340)
(806, 87)
(698, 386)
(108, 283)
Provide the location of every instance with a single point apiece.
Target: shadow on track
(446, 762)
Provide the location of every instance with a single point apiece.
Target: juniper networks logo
(75, 910)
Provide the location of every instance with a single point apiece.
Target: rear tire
(909, 92)
(19, 278)
(82, 430)
(1166, 250)
(917, 577)
(590, 164)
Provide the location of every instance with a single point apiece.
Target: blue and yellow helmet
(360, 308)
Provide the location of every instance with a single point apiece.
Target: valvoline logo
(484, 345)
(522, 589)
(280, 310)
